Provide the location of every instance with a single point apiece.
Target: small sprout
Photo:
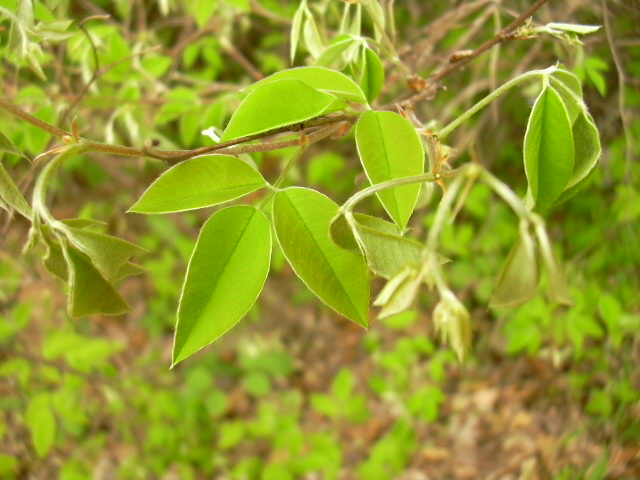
(459, 55)
(417, 83)
(453, 322)
(567, 32)
(400, 292)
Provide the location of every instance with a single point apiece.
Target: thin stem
(225, 147)
(172, 157)
(444, 208)
(27, 117)
(398, 182)
(492, 96)
(285, 171)
(509, 196)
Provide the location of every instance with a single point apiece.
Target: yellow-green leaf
(200, 182)
(338, 277)
(319, 78)
(41, 421)
(278, 104)
(226, 273)
(390, 148)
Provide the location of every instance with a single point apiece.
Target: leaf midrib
(345, 291)
(215, 284)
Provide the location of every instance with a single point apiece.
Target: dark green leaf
(55, 262)
(128, 270)
(7, 146)
(198, 183)
(586, 139)
(339, 278)
(548, 148)
(226, 273)
(89, 292)
(386, 253)
(107, 253)
(390, 148)
(342, 235)
(277, 104)
(11, 195)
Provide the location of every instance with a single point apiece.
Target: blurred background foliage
(293, 391)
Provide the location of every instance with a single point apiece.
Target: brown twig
(172, 157)
(505, 34)
(27, 117)
(316, 136)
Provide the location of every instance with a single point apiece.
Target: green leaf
(319, 78)
(276, 104)
(518, 280)
(586, 139)
(342, 235)
(198, 183)
(384, 248)
(372, 79)
(593, 67)
(341, 47)
(10, 194)
(84, 223)
(570, 90)
(226, 273)
(387, 253)
(296, 25)
(311, 35)
(128, 269)
(107, 253)
(377, 15)
(548, 148)
(54, 261)
(7, 146)
(390, 148)
(41, 421)
(8, 465)
(339, 278)
(89, 292)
